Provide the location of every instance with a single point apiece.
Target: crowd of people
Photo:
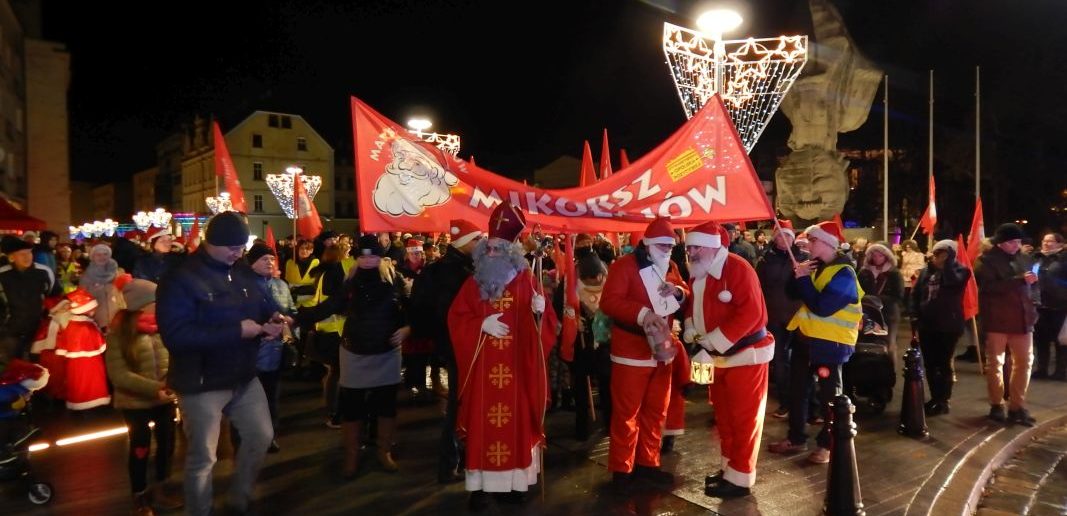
(503, 323)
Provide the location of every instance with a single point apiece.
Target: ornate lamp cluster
(281, 185)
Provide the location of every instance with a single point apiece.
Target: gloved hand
(492, 326)
(689, 335)
(704, 342)
(538, 303)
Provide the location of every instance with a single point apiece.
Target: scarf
(146, 324)
(100, 275)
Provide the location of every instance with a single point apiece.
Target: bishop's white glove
(494, 327)
(538, 303)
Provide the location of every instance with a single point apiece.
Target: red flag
(472, 161)
(970, 292)
(194, 234)
(605, 157)
(224, 168)
(308, 223)
(840, 223)
(271, 243)
(570, 300)
(929, 218)
(586, 174)
(624, 160)
(977, 234)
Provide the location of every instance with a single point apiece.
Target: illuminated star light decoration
(219, 204)
(755, 74)
(446, 142)
(281, 185)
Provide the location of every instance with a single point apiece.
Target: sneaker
(996, 413)
(781, 413)
(819, 456)
(787, 447)
(333, 422)
(1021, 417)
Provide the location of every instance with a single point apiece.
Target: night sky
(523, 83)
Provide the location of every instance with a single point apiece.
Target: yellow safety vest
(332, 324)
(347, 264)
(841, 327)
(295, 279)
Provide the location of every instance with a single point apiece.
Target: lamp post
(447, 142)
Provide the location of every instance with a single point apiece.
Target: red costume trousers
(740, 397)
(639, 407)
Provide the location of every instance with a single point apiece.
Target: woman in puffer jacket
(137, 364)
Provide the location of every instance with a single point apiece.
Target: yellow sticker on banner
(686, 163)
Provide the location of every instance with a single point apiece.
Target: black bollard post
(843, 478)
(912, 416)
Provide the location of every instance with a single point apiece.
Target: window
(257, 171)
(301, 143)
(287, 122)
(257, 141)
(257, 203)
(272, 120)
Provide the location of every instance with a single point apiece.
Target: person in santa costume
(82, 344)
(502, 333)
(827, 325)
(681, 371)
(728, 318)
(642, 293)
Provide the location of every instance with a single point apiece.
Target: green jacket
(138, 387)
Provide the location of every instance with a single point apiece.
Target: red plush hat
(413, 245)
(785, 226)
(81, 301)
(708, 234)
(154, 232)
(506, 222)
(462, 232)
(828, 232)
(29, 375)
(132, 234)
(659, 231)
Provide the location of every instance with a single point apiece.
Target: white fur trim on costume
(86, 405)
(725, 296)
(718, 341)
(747, 357)
(703, 239)
(48, 342)
(78, 310)
(454, 230)
(633, 362)
(81, 354)
(658, 240)
(698, 305)
(718, 263)
(677, 431)
(38, 384)
(519, 479)
(738, 478)
(821, 234)
(641, 314)
(465, 239)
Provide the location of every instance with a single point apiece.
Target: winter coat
(200, 306)
(937, 297)
(153, 267)
(22, 296)
(1052, 280)
(432, 295)
(1005, 301)
(775, 270)
(269, 357)
(137, 387)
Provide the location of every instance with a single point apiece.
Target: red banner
(224, 168)
(700, 173)
(970, 292)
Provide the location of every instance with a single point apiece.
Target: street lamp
(419, 124)
(717, 22)
(446, 142)
(220, 203)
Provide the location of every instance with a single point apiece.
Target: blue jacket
(200, 306)
(838, 293)
(269, 357)
(9, 394)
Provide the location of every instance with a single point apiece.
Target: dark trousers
(141, 442)
(1046, 331)
(584, 371)
(780, 364)
(827, 378)
(939, 351)
(450, 458)
(271, 381)
(415, 370)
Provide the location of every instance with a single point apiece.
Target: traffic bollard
(912, 416)
(843, 477)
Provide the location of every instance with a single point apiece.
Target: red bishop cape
(503, 384)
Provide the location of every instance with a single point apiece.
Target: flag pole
(977, 133)
(885, 163)
(930, 164)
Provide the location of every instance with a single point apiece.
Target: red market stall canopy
(14, 219)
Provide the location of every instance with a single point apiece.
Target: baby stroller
(17, 384)
(870, 373)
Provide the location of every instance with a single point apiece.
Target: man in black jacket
(23, 286)
(212, 316)
(431, 297)
(775, 271)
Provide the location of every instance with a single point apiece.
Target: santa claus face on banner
(414, 179)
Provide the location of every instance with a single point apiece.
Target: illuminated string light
(756, 74)
(91, 436)
(446, 142)
(38, 447)
(281, 185)
(219, 204)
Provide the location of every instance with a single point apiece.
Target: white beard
(700, 269)
(661, 260)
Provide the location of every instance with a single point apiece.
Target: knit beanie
(256, 252)
(138, 294)
(590, 266)
(369, 245)
(227, 229)
(944, 245)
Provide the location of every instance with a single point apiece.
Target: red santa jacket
(724, 319)
(623, 299)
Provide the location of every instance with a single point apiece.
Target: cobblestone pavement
(1033, 482)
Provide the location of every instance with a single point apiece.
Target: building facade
(144, 190)
(13, 181)
(112, 201)
(47, 135)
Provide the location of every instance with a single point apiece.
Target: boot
(141, 507)
(386, 430)
(350, 435)
(165, 498)
(1060, 372)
